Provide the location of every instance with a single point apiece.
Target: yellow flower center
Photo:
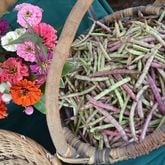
(44, 65)
(28, 14)
(24, 92)
(12, 69)
(29, 49)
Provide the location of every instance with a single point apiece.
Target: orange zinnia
(25, 93)
(3, 110)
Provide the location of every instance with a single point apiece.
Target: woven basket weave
(69, 148)
(18, 150)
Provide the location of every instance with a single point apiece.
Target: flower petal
(2, 87)
(7, 39)
(29, 110)
(20, 31)
(6, 98)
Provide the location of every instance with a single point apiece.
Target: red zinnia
(13, 70)
(3, 110)
(25, 93)
(47, 33)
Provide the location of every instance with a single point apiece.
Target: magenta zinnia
(3, 26)
(13, 70)
(40, 69)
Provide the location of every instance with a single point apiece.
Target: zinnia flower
(40, 69)
(13, 70)
(18, 7)
(28, 13)
(26, 50)
(4, 92)
(20, 31)
(47, 33)
(25, 93)
(29, 110)
(3, 26)
(7, 39)
(3, 110)
(10, 37)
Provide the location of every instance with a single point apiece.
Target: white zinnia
(7, 39)
(5, 86)
(11, 36)
(20, 31)
(4, 89)
(6, 97)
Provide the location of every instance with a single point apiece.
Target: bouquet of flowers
(25, 56)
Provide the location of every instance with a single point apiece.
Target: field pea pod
(117, 88)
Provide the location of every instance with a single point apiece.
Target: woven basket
(18, 150)
(69, 148)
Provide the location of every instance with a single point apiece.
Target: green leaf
(62, 83)
(27, 37)
(68, 68)
(43, 48)
(40, 105)
(29, 26)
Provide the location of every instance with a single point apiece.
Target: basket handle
(61, 52)
(5, 5)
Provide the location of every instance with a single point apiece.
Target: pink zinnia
(28, 13)
(26, 50)
(13, 70)
(29, 110)
(47, 33)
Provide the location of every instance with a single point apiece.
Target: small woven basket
(20, 150)
(69, 148)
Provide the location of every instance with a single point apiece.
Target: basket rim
(65, 150)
